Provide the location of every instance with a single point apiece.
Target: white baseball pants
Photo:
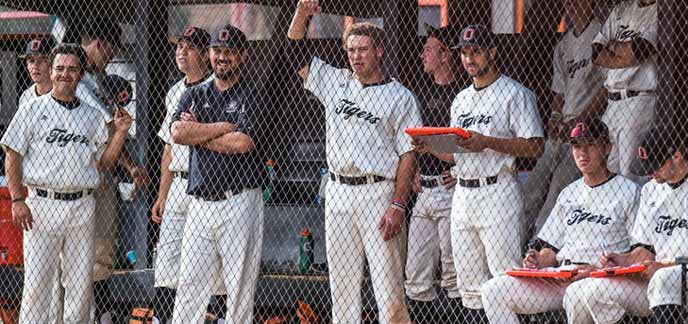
(223, 237)
(504, 297)
(352, 214)
(430, 241)
(486, 233)
(61, 241)
(606, 300)
(628, 120)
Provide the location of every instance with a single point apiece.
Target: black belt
(355, 181)
(181, 174)
(219, 196)
(616, 96)
(475, 183)
(429, 183)
(63, 195)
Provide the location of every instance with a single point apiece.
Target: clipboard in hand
(441, 139)
(617, 271)
(542, 273)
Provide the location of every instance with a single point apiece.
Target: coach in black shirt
(220, 121)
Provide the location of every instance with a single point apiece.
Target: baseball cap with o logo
(230, 37)
(199, 37)
(658, 146)
(39, 46)
(475, 35)
(589, 130)
(117, 90)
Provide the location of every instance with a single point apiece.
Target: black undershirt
(68, 104)
(679, 183)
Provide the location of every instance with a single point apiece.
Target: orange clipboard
(429, 131)
(539, 273)
(617, 271)
(441, 139)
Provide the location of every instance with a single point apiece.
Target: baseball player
(372, 166)
(221, 121)
(101, 39)
(429, 235)
(660, 231)
(627, 46)
(592, 215)
(57, 146)
(172, 204)
(37, 56)
(578, 94)
(487, 207)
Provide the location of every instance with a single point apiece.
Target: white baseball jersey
(626, 22)
(663, 219)
(180, 153)
(87, 91)
(59, 145)
(504, 109)
(575, 77)
(364, 123)
(587, 221)
(28, 95)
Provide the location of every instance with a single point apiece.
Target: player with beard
(220, 121)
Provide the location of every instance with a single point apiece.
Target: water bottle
(305, 250)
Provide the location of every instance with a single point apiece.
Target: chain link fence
(332, 161)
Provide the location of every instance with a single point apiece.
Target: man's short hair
(375, 32)
(70, 49)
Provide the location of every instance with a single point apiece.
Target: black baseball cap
(589, 130)
(39, 46)
(103, 28)
(447, 35)
(117, 90)
(476, 35)
(229, 36)
(658, 146)
(199, 37)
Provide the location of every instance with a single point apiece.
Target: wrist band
(17, 200)
(399, 204)
(397, 207)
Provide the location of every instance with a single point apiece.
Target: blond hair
(375, 32)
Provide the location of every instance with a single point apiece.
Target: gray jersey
(626, 22)
(663, 219)
(180, 153)
(587, 221)
(365, 123)
(575, 77)
(60, 146)
(88, 91)
(504, 109)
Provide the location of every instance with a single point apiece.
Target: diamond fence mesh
(332, 161)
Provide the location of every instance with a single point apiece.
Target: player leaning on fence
(661, 233)
(487, 209)
(58, 146)
(372, 166)
(592, 215)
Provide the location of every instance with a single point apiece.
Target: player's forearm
(637, 255)
(125, 160)
(231, 143)
(194, 133)
(518, 147)
(620, 57)
(112, 151)
(406, 171)
(547, 258)
(13, 173)
(297, 28)
(166, 176)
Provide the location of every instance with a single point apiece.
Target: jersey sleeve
(558, 68)
(323, 78)
(102, 137)
(650, 33)
(632, 212)
(606, 31)
(164, 132)
(410, 117)
(186, 103)
(19, 132)
(642, 226)
(524, 118)
(553, 231)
